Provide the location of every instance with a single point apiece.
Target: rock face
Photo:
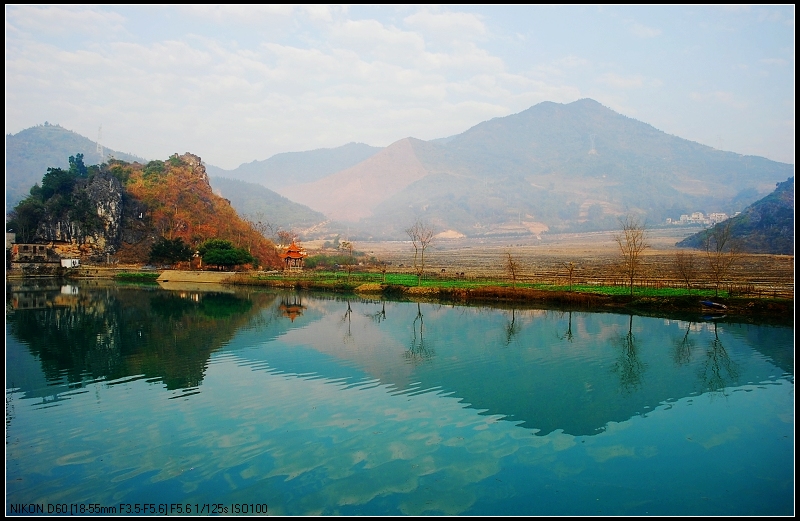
(92, 228)
(196, 166)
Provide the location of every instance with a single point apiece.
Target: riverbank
(780, 309)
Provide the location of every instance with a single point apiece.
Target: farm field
(595, 257)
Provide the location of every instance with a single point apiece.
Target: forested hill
(766, 226)
(30, 152)
(121, 209)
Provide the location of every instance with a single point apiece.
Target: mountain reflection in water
(545, 372)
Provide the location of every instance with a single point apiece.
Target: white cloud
(634, 81)
(236, 83)
(642, 31)
(718, 96)
(239, 13)
(61, 20)
(447, 25)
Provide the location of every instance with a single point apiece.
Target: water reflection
(569, 370)
(568, 333)
(511, 328)
(291, 306)
(419, 351)
(628, 366)
(110, 333)
(719, 371)
(323, 404)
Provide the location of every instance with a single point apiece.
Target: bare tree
(685, 267)
(722, 251)
(347, 246)
(285, 237)
(512, 267)
(570, 270)
(258, 221)
(421, 237)
(632, 241)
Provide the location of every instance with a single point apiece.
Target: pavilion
(294, 256)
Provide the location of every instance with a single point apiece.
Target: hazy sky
(237, 83)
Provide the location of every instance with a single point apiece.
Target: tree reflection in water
(348, 335)
(682, 352)
(378, 316)
(568, 333)
(511, 328)
(419, 351)
(719, 371)
(628, 366)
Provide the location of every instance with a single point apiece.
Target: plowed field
(596, 260)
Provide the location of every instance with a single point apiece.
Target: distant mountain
(553, 167)
(255, 201)
(356, 192)
(766, 226)
(557, 167)
(292, 168)
(31, 152)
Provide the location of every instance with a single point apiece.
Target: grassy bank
(644, 299)
(137, 276)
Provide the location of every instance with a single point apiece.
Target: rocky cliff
(116, 211)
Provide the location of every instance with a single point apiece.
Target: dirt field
(595, 256)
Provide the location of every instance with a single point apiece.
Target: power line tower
(100, 150)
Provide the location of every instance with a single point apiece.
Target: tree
(570, 270)
(285, 237)
(222, 253)
(421, 237)
(76, 166)
(512, 267)
(24, 219)
(170, 251)
(347, 246)
(632, 241)
(258, 221)
(722, 251)
(685, 267)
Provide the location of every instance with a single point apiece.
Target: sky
(233, 84)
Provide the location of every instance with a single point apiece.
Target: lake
(130, 399)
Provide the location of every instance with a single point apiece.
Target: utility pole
(100, 150)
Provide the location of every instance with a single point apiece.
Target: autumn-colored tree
(182, 205)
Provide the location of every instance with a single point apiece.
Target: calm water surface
(320, 404)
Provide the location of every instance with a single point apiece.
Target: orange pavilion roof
(294, 252)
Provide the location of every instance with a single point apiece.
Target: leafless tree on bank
(421, 237)
(347, 246)
(632, 241)
(722, 252)
(685, 267)
(285, 237)
(512, 268)
(570, 270)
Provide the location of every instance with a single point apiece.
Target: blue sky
(237, 83)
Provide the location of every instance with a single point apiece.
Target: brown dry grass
(596, 257)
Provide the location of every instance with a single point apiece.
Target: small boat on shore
(713, 305)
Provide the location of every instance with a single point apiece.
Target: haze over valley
(484, 121)
(552, 168)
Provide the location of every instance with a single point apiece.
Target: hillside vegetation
(255, 202)
(122, 209)
(31, 152)
(766, 226)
